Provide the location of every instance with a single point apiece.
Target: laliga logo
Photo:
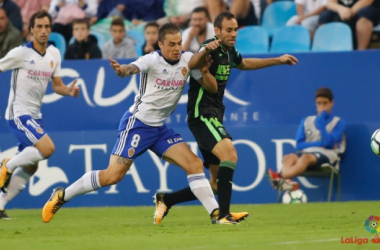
(372, 225)
(130, 89)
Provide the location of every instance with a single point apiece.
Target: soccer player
(205, 111)
(33, 65)
(319, 141)
(163, 77)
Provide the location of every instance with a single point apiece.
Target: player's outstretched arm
(60, 88)
(198, 59)
(123, 70)
(258, 63)
(208, 81)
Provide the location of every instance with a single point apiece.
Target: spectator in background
(65, 11)
(120, 46)
(319, 138)
(139, 11)
(308, 14)
(200, 30)
(151, 38)
(10, 37)
(178, 11)
(85, 45)
(28, 8)
(361, 15)
(109, 8)
(13, 13)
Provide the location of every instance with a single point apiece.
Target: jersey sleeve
(12, 60)
(237, 59)
(196, 74)
(145, 62)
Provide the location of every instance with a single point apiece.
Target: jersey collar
(170, 62)
(30, 45)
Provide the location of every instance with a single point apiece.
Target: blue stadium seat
(252, 40)
(277, 14)
(290, 39)
(140, 40)
(333, 37)
(59, 42)
(99, 36)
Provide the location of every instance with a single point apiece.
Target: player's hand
(212, 45)
(288, 59)
(345, 13)
(320, 121)
(74, 90)
(206, 64)
(119, 70)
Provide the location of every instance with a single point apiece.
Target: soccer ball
(297, 196)
(375, 142)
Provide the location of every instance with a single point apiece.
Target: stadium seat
(333, 37)
(252, 40)
(59, 42)
(290, 39)
(140, 40)
(326, 171)
(277, 14)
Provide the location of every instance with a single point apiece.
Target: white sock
(16, 185)
(87, 183)
(202, 190)
(29, 156)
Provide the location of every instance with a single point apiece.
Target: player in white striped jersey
(33, 65)
(163, 77)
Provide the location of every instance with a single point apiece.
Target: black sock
(179, 196)
(225, 174)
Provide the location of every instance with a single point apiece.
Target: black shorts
(321, 158)
(208, 131)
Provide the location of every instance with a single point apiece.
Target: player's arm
(198, 59)
(301, 138)
(124, 70)
(208, 81)
(258, 63)
(60, 88)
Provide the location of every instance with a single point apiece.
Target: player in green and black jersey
(206, 109)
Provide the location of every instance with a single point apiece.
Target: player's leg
(17, 183)
(34, 146)
(300, 166)
(277, 180)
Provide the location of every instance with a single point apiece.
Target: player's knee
(230, 155)
(195, 166)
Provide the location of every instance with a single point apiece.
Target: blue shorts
(27, 130)
(135, 137)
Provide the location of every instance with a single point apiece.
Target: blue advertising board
(263, 110)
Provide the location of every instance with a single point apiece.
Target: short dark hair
(118, 22)
(224, 15)
(167, 28)
(82, 21)
(151, 24)
(201, 9)
(324, 92)
(39, 14)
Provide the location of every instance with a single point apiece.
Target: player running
(163, 77)
(33, 65)
(205, 111)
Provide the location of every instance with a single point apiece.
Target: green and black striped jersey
(201, 102)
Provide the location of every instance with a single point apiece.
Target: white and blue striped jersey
(30, 77)
(161, 87)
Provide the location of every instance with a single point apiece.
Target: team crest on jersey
(184, 71)
(222, 131)
(51, 64)
(39, 130)
(131, 152)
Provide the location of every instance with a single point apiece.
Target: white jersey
(30, 77)
(161, 87)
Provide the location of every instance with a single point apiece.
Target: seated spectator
(13, 13)
(151, 38)
(120, 46)
(318, 140)
(178, 11)
(361, 15)
(109, 8)
(28, 8)
(200, 30)
(64, 12)
(10, 37)
(85, 45)
(308, 14)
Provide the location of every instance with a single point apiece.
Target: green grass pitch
(272, 226)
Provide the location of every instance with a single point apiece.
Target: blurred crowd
(129, 28)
